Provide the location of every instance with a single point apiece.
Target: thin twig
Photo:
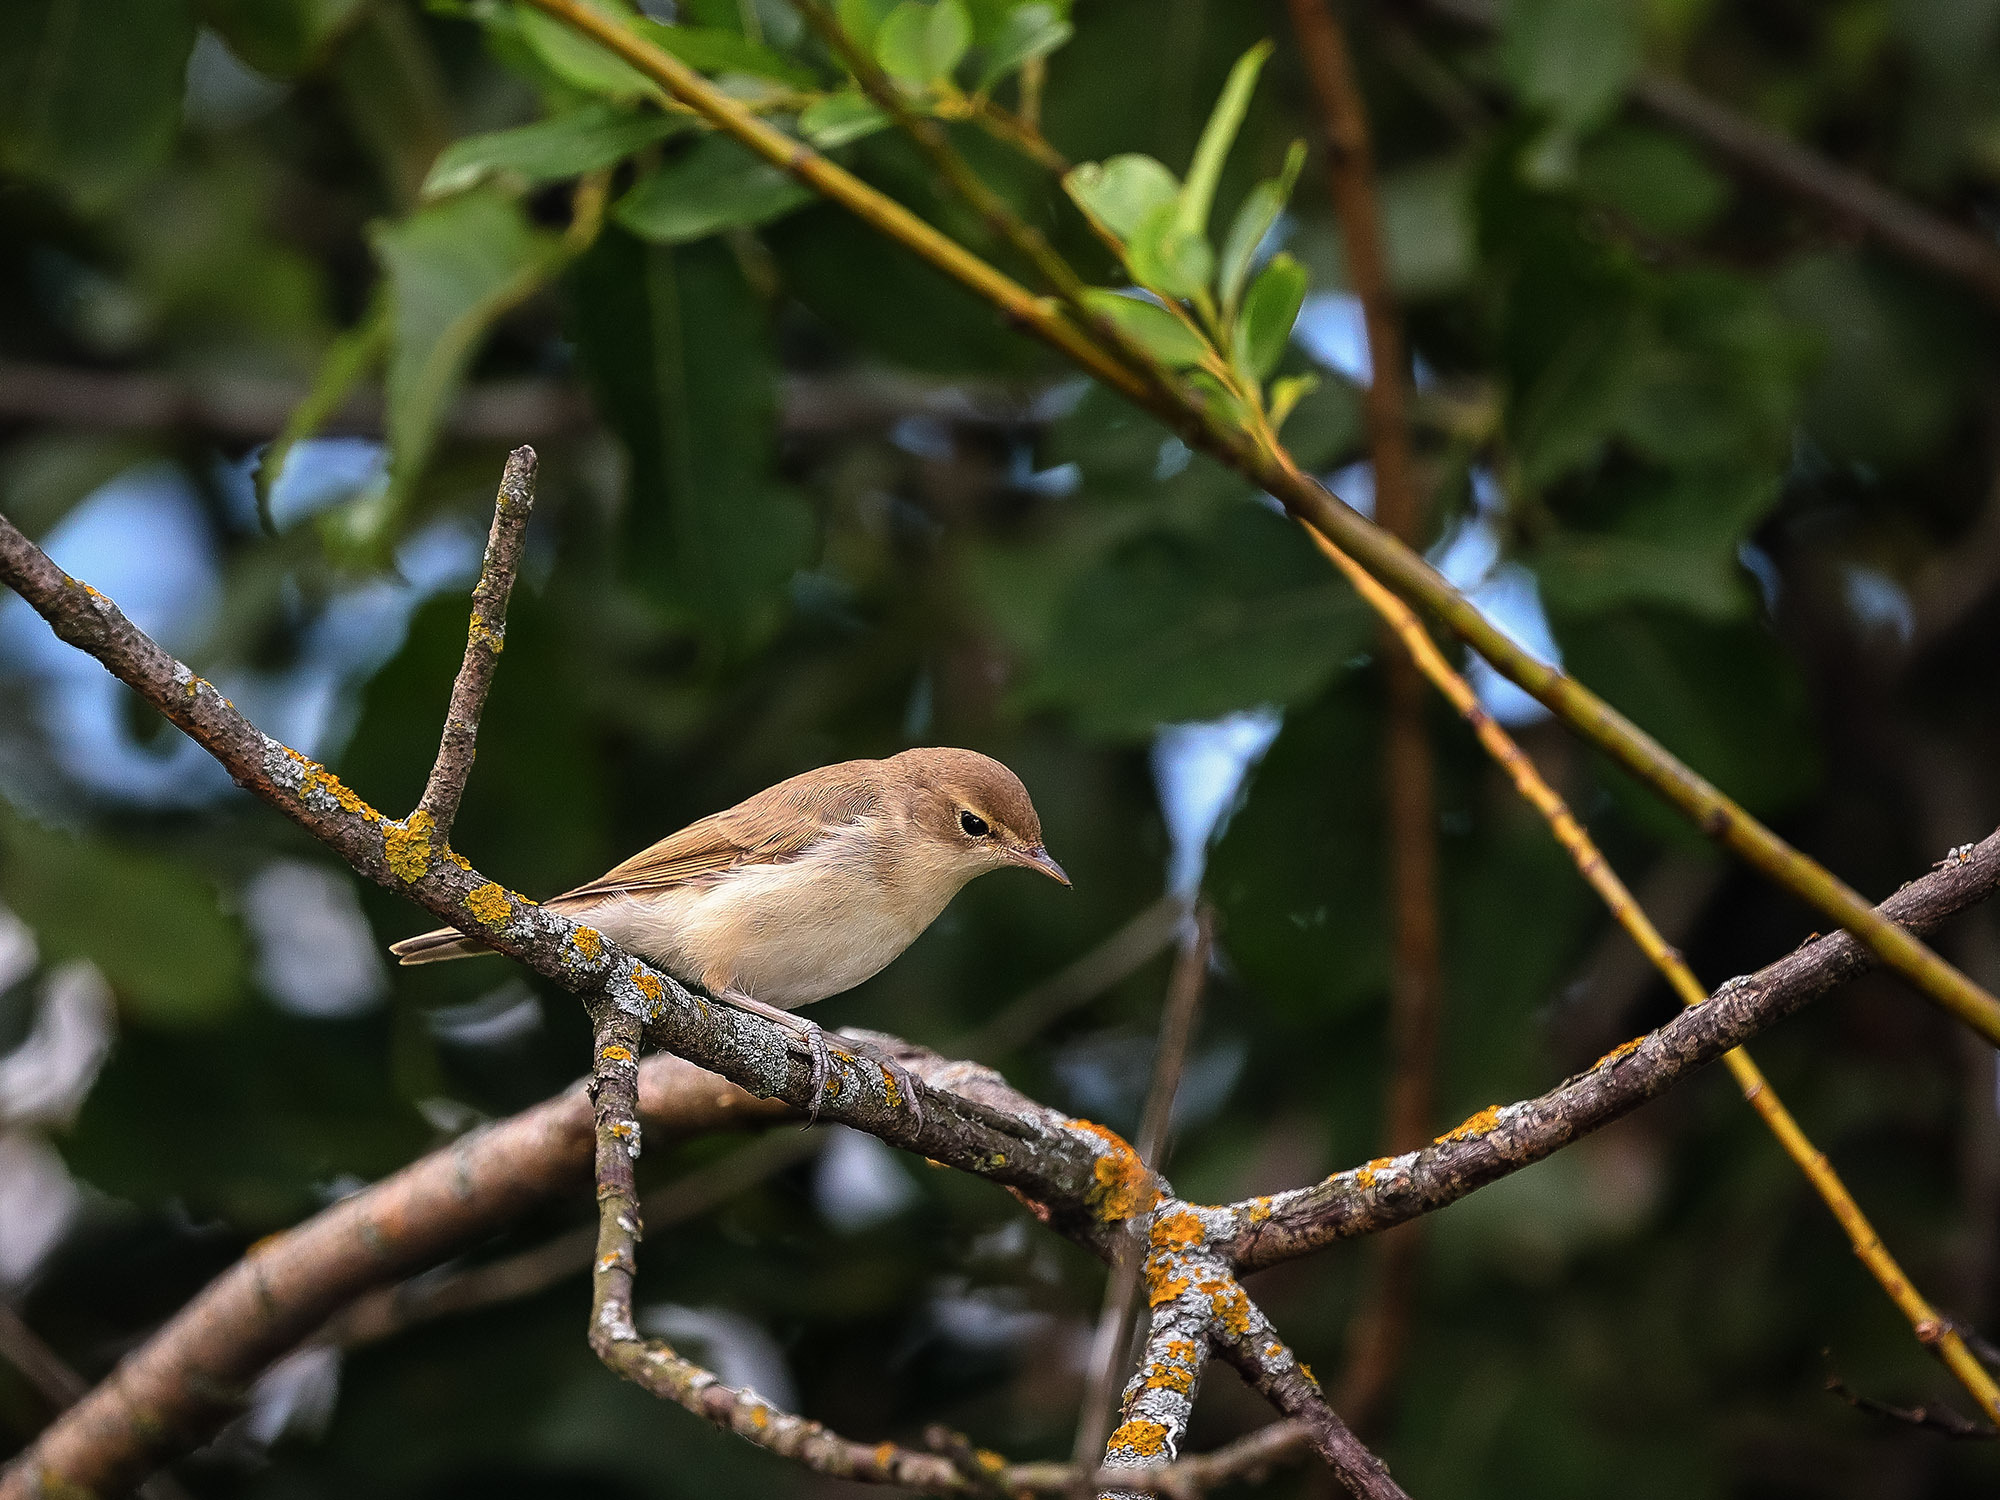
(1149, 385)
(485, 639)
(1924, 1320)
(1114, 1320)
(1934, 1418)
(1380, 1331)
(1111, 962)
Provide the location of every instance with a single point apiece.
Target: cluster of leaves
(1207, 315)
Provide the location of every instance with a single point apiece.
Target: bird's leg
(905, 1081)
(812, 1032)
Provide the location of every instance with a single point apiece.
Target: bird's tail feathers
(436, 947)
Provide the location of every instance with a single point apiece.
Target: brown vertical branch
(485, 638)
(1114, 1322)
(1382, 1327)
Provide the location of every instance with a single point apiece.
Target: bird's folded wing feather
(777, 824)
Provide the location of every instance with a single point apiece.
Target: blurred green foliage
(825, 504)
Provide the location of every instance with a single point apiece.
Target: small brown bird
(809, 887)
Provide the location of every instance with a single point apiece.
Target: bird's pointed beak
(1039, 858)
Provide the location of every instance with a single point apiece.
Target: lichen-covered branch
(1505, 1138)
(178, 1388)
(1248, 1341)
(1085, 1179)
(485, 638)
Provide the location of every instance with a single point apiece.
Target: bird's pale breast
(792, 932)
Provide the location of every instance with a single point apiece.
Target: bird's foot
(902, 1080)
(818, 1050)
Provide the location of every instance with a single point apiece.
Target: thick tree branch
(1503, 1139)
(183, 1383)
(485, 639)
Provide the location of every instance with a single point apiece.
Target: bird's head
(973, 813)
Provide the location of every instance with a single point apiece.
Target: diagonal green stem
(1382, 554)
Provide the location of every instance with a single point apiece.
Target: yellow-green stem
(1380, 553)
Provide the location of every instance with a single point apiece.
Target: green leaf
(1119, 195)
(453, 268)
(1428, 233)
(580, 62)
(862, 19)
(1572, 58)
(1175, 626)
(1269, 310)
(1260, 210)
(1726, 699)
(1673, 543)
(835, 119)
(717, 185)
(90, 95)
(1150, 326)
(550, 150)
(154, 928)
(1164, 257)
(1030, 31)
(1288, 393)
(1652, 178)
(1216, 138)
(280, 37)
(713, 49)
(679, 352)
(919, 44)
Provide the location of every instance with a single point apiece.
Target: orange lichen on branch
(615, 1053)
(407, 846)
(892, 1093)
(1123, 1187)
(314, 777)
(588, 943)
(1179, 1230)
(1231, 1308)
(1479, 1124)
(1170, 1377)
(1140, 1436)
(1365, 1176)
(489, 903)
(1162, 1286)
(1623, 1049)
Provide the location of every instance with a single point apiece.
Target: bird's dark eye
(973, 824)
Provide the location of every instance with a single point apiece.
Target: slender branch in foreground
(1381, 1328)
(1114, 1320)
(1152, 387)
(1504, 1138)
(1935, 1332)
(184, 1382)
(485, 639)
(652, 1364)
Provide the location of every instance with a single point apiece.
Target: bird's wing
(777, 824)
